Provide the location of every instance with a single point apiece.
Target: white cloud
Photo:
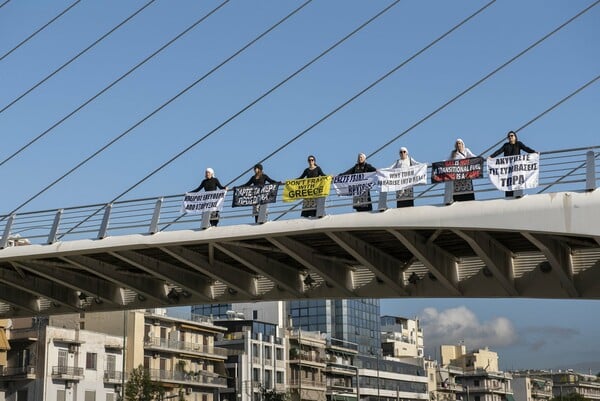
(451, 326)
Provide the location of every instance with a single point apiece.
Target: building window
(268, 379)
(268, 352)
(279, 377)
(90, 395)
(90, 360)
(110, 396)
(60, 395)
(62, 357)
(111, 363)
(256, 374)
(22, 395)
(279, 354)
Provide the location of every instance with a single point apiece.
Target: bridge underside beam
(496, 257)
(41, 287)
(336, 274)
(386, 268)
(20, 299)
(84, 283)
(236, 279)
(284, 276)
(189, 281)
(558, 255)
(147, 288)
(440, 263)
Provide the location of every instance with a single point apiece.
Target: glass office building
(352, 320)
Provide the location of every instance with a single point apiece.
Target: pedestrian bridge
(144, 253)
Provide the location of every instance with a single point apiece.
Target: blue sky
(538, 333)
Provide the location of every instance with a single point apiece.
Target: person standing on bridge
(361, 203)
(309, 206)
(405, 197)
(210, 183)
(259, 179)
(512, 148)
(463, 189)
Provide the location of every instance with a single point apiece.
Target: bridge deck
(539, 246)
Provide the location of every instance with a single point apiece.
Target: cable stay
(47, 24)
(56, 71)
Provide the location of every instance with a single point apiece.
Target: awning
(4, 345)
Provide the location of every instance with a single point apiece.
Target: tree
(140, 387)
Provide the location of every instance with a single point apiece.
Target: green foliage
(140, 387)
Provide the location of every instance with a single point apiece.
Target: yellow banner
(307, 188)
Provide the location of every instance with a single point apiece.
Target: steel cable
(63, 12)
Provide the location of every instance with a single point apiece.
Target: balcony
(164, 344)
(340, 384)
(17, 373)
(187, 378)
(305, 383)
(306, 358)
(340, 369)
(67, 373)
(113, 376)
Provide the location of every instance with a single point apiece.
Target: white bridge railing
(560, 170)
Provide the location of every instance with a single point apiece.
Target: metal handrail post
(105, 219)
(262, 213)
(205, 220)
(7, 229)
(320, 203)
(54, 229)
(156, 216)
(590, 171)
(382, 204)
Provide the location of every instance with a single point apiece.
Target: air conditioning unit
(68, 384)
(188, 390)
(72, 348)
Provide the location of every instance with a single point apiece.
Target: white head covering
(460, 140)
(403, 149)
(362, 154)
(210, 170)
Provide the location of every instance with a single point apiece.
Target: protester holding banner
(259, 179)
(210, 183)
(361, 203)
(512, 148)
(405, 197)
(313, 170)
(463, 189)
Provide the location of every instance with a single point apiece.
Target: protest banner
(354, 184)
(307, 188)
(513, 173)
(398, 179)
(254, 195)
(461, 169)
(200, 202)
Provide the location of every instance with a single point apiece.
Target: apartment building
(341, 373)
(569, 382)
(384, 378)
(60, 364)
(442, 381)
(306, 365)
(257, 358)
(180, 354)
(481, 379)
(527, 387)
(401, 337)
